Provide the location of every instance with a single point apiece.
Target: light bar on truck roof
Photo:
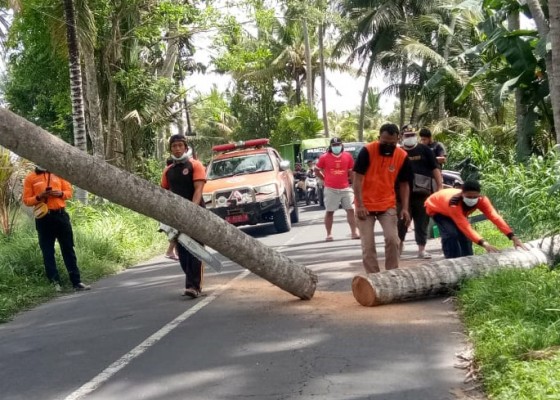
(241, 145)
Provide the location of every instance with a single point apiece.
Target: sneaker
(57, 287)
(81, 286)
(424, 254)
(191, 292)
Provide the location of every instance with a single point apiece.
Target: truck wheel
(294, 215)
(281, 218)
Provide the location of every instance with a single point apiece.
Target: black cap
(177, 138)
(335, 140)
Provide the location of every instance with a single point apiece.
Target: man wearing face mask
(334, 168)
(186, 177)
(424, 167)
(379, 167)
(450, 208)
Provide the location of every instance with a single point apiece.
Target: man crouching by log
(450, 208)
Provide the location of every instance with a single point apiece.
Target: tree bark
(364, 97)
(93, 104)
(523, 145)
(440, 277)
(121, 187)
(446, 52)
(553, 56)
(554, 77)
(78, 116)
(417, 98)
(308, 70)
(402, 95)
(323, 81)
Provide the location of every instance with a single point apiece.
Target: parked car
(248, 183)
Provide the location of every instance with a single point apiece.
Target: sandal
(355, 237)
(329, 238)
(172, 257)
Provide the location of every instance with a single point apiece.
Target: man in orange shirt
(42, 186)
(450, 208)
(186, 177)
(379, 166)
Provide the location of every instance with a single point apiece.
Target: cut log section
(440, 277)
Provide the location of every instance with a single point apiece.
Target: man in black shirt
(438, 148)
(424, 167)
(186, 177)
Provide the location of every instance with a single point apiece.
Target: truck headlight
(207, 197)
(267, 189)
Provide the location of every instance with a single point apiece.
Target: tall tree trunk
(78, 116)
(364, 97)
(440, 277)
(114, 146)
(402, 94)
(323, 80)
(446, 51)
(417, 97)
(553, 76)
(95, 130)
(554, 82)
(523, 144)
(35, 144)
(308, 69)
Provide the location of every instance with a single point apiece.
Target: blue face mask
(336, 149)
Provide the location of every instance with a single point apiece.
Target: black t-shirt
(362, 164)
(422, 160)
(438, 150)
(180, 179)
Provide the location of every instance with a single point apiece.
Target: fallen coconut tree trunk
(430, 279)
(121, 187)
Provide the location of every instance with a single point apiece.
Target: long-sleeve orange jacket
(449, 202)
(35, 183)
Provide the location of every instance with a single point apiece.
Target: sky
(344, 95)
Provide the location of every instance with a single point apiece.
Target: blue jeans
(453, 242)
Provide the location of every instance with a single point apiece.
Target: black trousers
(191, 266)
(420, 218)
(56, 226)
(453, 242)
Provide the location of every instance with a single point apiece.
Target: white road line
(122, 362)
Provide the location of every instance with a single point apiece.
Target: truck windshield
(247, 164)
(312, 154)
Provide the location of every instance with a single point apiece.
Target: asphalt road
(134, 337)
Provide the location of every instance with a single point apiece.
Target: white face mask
(410, 141)
(470, 202)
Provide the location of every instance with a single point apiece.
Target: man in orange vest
(379, 166)
(43, 188)
(450, 208)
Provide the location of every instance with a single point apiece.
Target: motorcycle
(299, 185)
(451, 179)
(311, 189)
(466, 170)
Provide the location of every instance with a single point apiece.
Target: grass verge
(513, 319)
(108, 239)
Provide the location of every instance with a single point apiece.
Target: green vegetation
(512, 317)
(108, 239)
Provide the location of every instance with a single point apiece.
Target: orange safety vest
(378, 189)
